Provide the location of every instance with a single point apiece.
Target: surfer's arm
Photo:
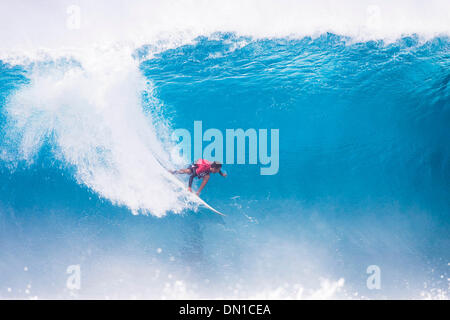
(204, 182)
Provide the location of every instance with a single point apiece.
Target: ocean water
(359, 92)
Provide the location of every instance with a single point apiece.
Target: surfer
(201, 169)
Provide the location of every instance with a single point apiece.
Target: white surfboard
(203, 202)
(193, 196)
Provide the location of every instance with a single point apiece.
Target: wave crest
(91, 114)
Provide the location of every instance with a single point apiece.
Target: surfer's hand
(198, 193)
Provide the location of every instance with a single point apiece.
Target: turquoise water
(363, 178)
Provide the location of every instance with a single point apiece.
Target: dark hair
(216, 164)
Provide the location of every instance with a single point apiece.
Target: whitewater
(92, 91)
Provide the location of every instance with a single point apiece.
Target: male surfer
(201, 169)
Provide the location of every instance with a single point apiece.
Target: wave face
(363, 116)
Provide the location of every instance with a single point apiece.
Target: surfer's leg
(190, 170)
(191, 178)
(183, 171)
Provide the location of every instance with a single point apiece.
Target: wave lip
(62, 25)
